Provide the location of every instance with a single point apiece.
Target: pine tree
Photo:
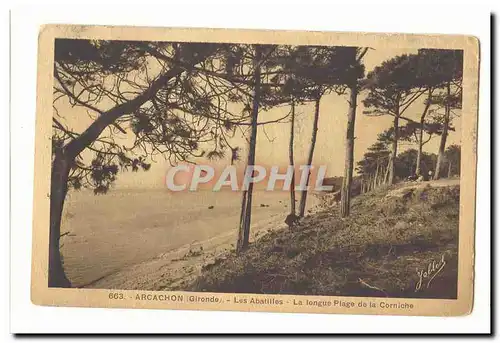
(393, 87)
(353, 85)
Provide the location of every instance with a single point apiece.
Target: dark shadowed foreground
(393, 245)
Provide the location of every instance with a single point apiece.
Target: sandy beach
(153, 239)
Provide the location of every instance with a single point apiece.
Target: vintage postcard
(254, 170)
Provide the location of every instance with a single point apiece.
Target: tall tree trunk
(291, 159)
(449, 168)
(246, 205)
(387, 169)
(375, 178)
(379, 171)
(382, 173)
(303, 196)
(421, 133)
(58, 191)
(444, 135)
(420, 145)
(394, 152)
(345, 200)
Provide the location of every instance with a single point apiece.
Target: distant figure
(413, 177)
(430, 174)
(291, 219)
(337, 196)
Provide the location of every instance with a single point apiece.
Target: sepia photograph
(184, 169)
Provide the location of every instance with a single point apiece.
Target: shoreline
(178, 266)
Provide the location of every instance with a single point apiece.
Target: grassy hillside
(394, 236)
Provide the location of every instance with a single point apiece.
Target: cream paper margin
(42, 295)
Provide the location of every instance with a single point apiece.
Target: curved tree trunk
(65, 157)
(291, 160)
(58, 191)
(345, 200)
(246, 204)
(303, 196)
(444, 135)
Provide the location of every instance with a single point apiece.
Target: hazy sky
(273, 149)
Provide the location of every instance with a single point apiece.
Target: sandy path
(417, 185)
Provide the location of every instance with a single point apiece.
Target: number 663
(116, 296)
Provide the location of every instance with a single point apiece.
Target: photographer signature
(428, 274)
